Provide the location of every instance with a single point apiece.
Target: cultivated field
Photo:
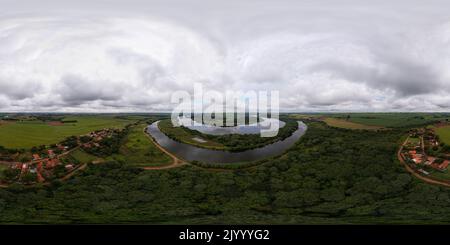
(413, 140)
(392, 120)
(340, 123)
(83, 157)
(444, 134)
(26, 134)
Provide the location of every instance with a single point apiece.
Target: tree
(10, 174)
(29, 177)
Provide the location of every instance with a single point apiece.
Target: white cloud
(130, 57)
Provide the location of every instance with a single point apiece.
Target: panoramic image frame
(213, 121)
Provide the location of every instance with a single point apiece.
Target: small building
(430, 160)
(24, 168)
(423, 172)
(444, 165)
(40, 179)
(51, 163)
(51, 154)
(36, 157)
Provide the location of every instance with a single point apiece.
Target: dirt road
(416, 174)
(176, 162)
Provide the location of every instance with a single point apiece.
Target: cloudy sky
(130, 55)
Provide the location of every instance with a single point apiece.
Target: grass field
(440, 175)
(182, 135)
(340, 123)
(305, 116)
(83, 157)
(139, 150)
(3, 167)
(27, 134)
(414, 140)
(444, 134)
(393, 119)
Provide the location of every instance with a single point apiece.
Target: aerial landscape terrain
(177, 115)
(346, 168)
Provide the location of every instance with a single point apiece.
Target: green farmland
(83, 157)
(444, 134)
(339, 123)
(26, 134)
(393, 120)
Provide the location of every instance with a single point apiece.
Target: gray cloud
(14, 90)
(75, 90)
(131, 55)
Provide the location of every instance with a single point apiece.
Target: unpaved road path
(176, 161)
(416, 174)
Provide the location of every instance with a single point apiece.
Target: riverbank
(207, 156)
(227, 142)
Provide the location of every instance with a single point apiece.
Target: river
(193, 153)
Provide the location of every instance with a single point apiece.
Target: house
(416, 158)
(36, 157)
(69, 167)
(430, 160)
(61, 147)
(444, 165)
(51, 154)
(51, 163)
(39, 177)
(24, 168)
(423, 172)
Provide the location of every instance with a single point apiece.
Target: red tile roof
(444, 165)
(51, 163)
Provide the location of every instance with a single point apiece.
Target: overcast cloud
(130, 55)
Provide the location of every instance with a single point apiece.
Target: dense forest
(330, 176)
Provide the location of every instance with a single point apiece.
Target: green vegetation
(444, 134)
(108, 144)
(139, 150)
(2, 168)
(393, 120)
(341, 123)
(332, 176)
(29, 133)
(182, 134)
(83, 157)
(414, 140)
